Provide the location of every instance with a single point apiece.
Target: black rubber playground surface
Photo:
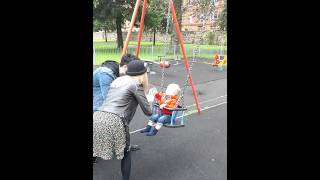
(196, 151)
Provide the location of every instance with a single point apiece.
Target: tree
(113, 12)
(223, 18)
(178, 7)
(102, 19)
(106, 26)
(200, 7)
(179, 10)
(206, 7)
(155, 19)
(156, 16)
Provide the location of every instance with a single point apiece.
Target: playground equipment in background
(219, 61)
(164, 64)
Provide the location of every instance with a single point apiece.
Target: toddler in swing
(165, 100)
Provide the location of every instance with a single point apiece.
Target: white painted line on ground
(136, 131)
(207, 101)
(205, 108)
(188, 113)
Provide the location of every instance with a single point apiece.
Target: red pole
(135, 12)
(144, 8)
(173, 13)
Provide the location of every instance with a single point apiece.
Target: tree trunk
(174, 43)
(119, 33)
(174, 36)
(154, 36)
(178, 8)
(105, 35)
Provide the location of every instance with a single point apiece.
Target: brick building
(191, 19)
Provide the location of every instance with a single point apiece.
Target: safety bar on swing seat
(179, 108)
(173, 116)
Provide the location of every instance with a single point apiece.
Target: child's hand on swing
(162, 106)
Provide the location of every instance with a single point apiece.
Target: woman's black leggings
(126, 165)
(126, 161)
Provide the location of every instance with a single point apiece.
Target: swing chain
(202, 28)
(200, 39)
(162, 79)
(166, 47)
(181, 98)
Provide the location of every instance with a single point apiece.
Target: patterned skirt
(109, 136)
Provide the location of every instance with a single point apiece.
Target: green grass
(108, 50)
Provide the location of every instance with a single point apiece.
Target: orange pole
(144, 8)
(173, 13)
(135, 12)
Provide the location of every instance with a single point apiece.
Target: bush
(215, 38)
(209, 38)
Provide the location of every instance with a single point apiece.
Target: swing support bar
(186, 63)
(135, 12)
(144, 9)
(173, 13)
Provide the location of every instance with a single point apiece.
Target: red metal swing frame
(173, 13)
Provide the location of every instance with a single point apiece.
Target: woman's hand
(152, 92)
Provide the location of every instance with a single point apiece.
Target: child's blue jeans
(164, 118)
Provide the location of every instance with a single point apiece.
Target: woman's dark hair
(128, 58)
(113, 65)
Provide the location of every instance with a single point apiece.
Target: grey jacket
(123, 98)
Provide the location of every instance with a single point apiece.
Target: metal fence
(153, 52)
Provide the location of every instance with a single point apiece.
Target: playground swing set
(165, 64)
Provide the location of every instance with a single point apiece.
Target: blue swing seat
(173, 123)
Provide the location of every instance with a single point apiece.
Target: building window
(190, 19)
(202, 18)
(215, 15)
(212, 17)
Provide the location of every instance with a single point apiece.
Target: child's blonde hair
(173, 90)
